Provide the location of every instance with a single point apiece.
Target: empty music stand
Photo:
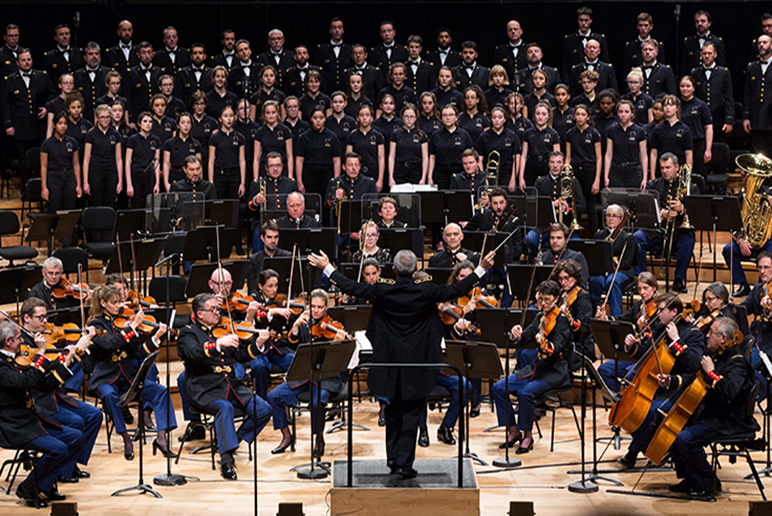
(222, 212)
(714, 213)
(350, 216)
(134, 395)
(430, 201)
(458, 206)
(354, 318)
(146, 254)
(312, 363)
(201, 244)
(313, 239)
(598, 253)
(478, 360)
(17, 281)
(495, 323)
(130, 223)
(198, 280)
(42, 229)
(474, 240)
(397, 239)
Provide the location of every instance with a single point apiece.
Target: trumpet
(566, 193)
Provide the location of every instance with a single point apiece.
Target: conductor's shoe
(743, 291)
(445, 434)
(406, 472)
(423, 438)
(679, 287)
(227, 471)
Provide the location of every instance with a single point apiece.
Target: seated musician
(730, 378)
(23, 425)
(623, 241)
(639, 314)
(558, 241)
(52, 278)
(687, 344)
(114, 369)
(295, 217)
(453, 252)
(550, 186)
(715, 303)
(212, 386)
(500, 218)
(371, 271)
(472, 179)
(369, 245)
(267, 191)
(759, 304)
(673, 210)
(576, 305)
(269, 236)
(194, 181)
(349, 186)
(388, 209)
(63, 409)
(286, 394)
(550, 331)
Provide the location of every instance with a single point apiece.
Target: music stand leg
(468, 454)
(142, 487)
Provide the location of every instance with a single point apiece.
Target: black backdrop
(307, 22)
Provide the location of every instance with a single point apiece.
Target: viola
(135, 301)
(148, 325)
(280, 301)
(243, 330)
(68, 289)
(68, 333)
(481, 299)
(327, 328)
(451, 314)
(237, 303)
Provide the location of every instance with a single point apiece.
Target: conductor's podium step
(375, 492)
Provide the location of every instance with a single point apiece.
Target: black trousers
(442, 175)
(103, 180)
(407, 172)
(316, 179)
(226, 182)
(143, 186)
(625, 175)
(585, 174)
(698, 157)
(402, 419)
(176, 174)
(61, 190)
(535, 167)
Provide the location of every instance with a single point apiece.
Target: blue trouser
(689, 457)
(506, 297)
(527, 392)
(75, 382)
(60, 450)
(606, 371)
(258, 414)
(84, 418)
(684, 244)
(261, 369)
(533, 240)
(452, 384)
(183, 390)
(153, 394)
(734, 261)
(756, 363)
(642, 436)
(600, 284)
(282, 396)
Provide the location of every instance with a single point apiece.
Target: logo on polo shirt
(69, 146)
(327, 142)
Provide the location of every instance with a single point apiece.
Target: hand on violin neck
(319, 261)
(138, 318)
(228, 341)
(341, 335)
(159, 334)
(40, 342)
(251, 311)
(261, 337)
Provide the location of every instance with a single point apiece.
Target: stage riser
(388, 502)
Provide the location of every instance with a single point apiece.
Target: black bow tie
(444, 51)
(648, 67)
(469, 66)
(27, 74)
(127, 47)
(337, 45)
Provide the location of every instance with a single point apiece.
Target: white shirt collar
(7, 353)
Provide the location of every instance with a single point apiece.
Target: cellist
(686, 343)
(639, 314)
(724, 410)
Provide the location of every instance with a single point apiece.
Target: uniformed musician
(444, 55)
(471, 179)
(269, 237)
(387, 210)
(277, 56)
(756, 107)
(296, 217)
(576, 305)
(633, 52)
(421, 74)
(469, 71)
(690, 56)
(334, 57)
(172, 58)
(512, 55)
(606, 74)
(141, 82)
(244, 77)
(759, 304)
(194, 77)
(63, 58)
(658, 78)
(350, 186)
(269, 191)
(453, 252)
(715, 304)
(622, 241)
(713, 85)
(575, 43)
(227, 53)
(294, 78)
(559, 251)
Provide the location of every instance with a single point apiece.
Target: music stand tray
(314, 239)
(354, 318)
(483, 358)
(128, 223)
(610, 336)
(350, 216)
(519, 276)
(201, 244)
(66, 223)
(705, 210)
(42, 228)
(458, 205)
(495, 323)
(223, 212)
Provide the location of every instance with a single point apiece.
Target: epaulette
(686, 39)
(387, 281)
(45, 54)
(566, 36)
(667, 66)
(423, 280)
(44, 72)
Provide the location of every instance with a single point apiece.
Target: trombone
(567, 192)
(492, 169)
(339, 203)
(683, 187)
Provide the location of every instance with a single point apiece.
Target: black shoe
(678, 286)
(74, 479)
(26, 492)
(166, 453)
(405, 472)
(193, 433)
(319, 448)
(475, 412)
(80, 474)
(227, 471)
(53, 495)
(702, 493)
(511, 443)
(281, 449)
(681, 487)
(522, 450)
(381, 421)
(743, 291)
(628, 461)
(423, 438)
(445, 435)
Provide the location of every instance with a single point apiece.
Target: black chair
(32, 194)
(98, 229)
(552, 401)
(206, 422)
(9, 225)
(71, 257)
(23, 458)
(700, 182)
(717, 168)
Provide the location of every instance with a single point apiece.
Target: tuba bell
(756, 208)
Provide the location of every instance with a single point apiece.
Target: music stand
(517, 273)
(64, 315)
(283, 266)
(129, 223)
(201, 244)
(42, 229)
(397, 239)
(312, 363)
(198, 280)
(643, 206)
(458, 206)
(598, 253)
(479, 360)
(355, 318)
(309, 239)
(146, 253)
(134, 395)
(439, 275)
(271, 215)
(474, 240)
(18, 280)
(714, 213)
(222, 212)
(430, 201)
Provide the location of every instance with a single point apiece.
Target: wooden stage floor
(542, 478)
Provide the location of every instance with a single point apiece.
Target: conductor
(404, 328)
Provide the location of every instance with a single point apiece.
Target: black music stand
(458, 206)
(397, 239)
(430, 201)
(408, 207)
(130, 223)
(18, 280)
(350, 216)
(312, 363)
(42, 229)
(65, 225)
(201, 244)
(478, 360)
(134, 395)
(271, 215)
(222, 212)
(713, 213)
(495, 323)
(439, 275)
(354, 318)
(198, 280)
(64, 315)
(283, 266)
(517, 273)
(643, 206)
(146, 254)
(598, 253)
(474, 240)
(313, 239)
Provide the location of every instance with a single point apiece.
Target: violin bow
(220, 277)
(292, 273)
(302, 284)
(528, 295)
(12, 321)
(362, 250)
(82, 309)
(482, 248)
(133, 263)
(614, 277)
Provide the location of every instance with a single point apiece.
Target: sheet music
(362, 344)
(767, 363)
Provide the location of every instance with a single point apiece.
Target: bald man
(124, 55)
(453, 252)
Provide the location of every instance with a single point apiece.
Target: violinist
(730, 378)
(759, 304)
(558, 248)
(306, 329)
(388, 209)
(576, 305)
(369, 246)
(114, 368)
(371, 271)
(639, 314)
(22, 424)
(453, 252)
(212, 385)
(499, 217)
(551, 332)
(715, 303)
(673, 210)
(52, 278)
(615, 216)
(295, 217)
(687, 344)
(269, 236)
(63, 409)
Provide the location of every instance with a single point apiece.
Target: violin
(477, 295)
(135, 301)
(68, 333)
(149, 324)
(280, 301)
(451, 314)
(327, 328)
(68, 289)
(704, 322)
(691, 308)
(243, 330)
(568, 300)
(237, 303)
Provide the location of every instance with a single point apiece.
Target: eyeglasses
(215, 310)
(41, 317)
(612, 216)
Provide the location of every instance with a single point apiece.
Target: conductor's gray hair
(405, 263)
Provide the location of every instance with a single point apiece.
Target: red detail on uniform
(714, 376)
(62, 358)
(40, 361)
(575, 324)
(548, 350)
(128, 335)
(678, 347)
(209, 346)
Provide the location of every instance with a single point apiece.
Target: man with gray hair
(277, 56)
(404, 328)
(90, 80)
(52, 278)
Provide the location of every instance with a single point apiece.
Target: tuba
(756, 208)
(492, 169)
(567, 192)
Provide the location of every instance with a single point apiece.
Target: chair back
(71, 257)
(9, 222)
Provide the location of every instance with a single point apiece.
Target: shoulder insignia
(566, 36)
(45, 54)
(387, 281)
(423, 280)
